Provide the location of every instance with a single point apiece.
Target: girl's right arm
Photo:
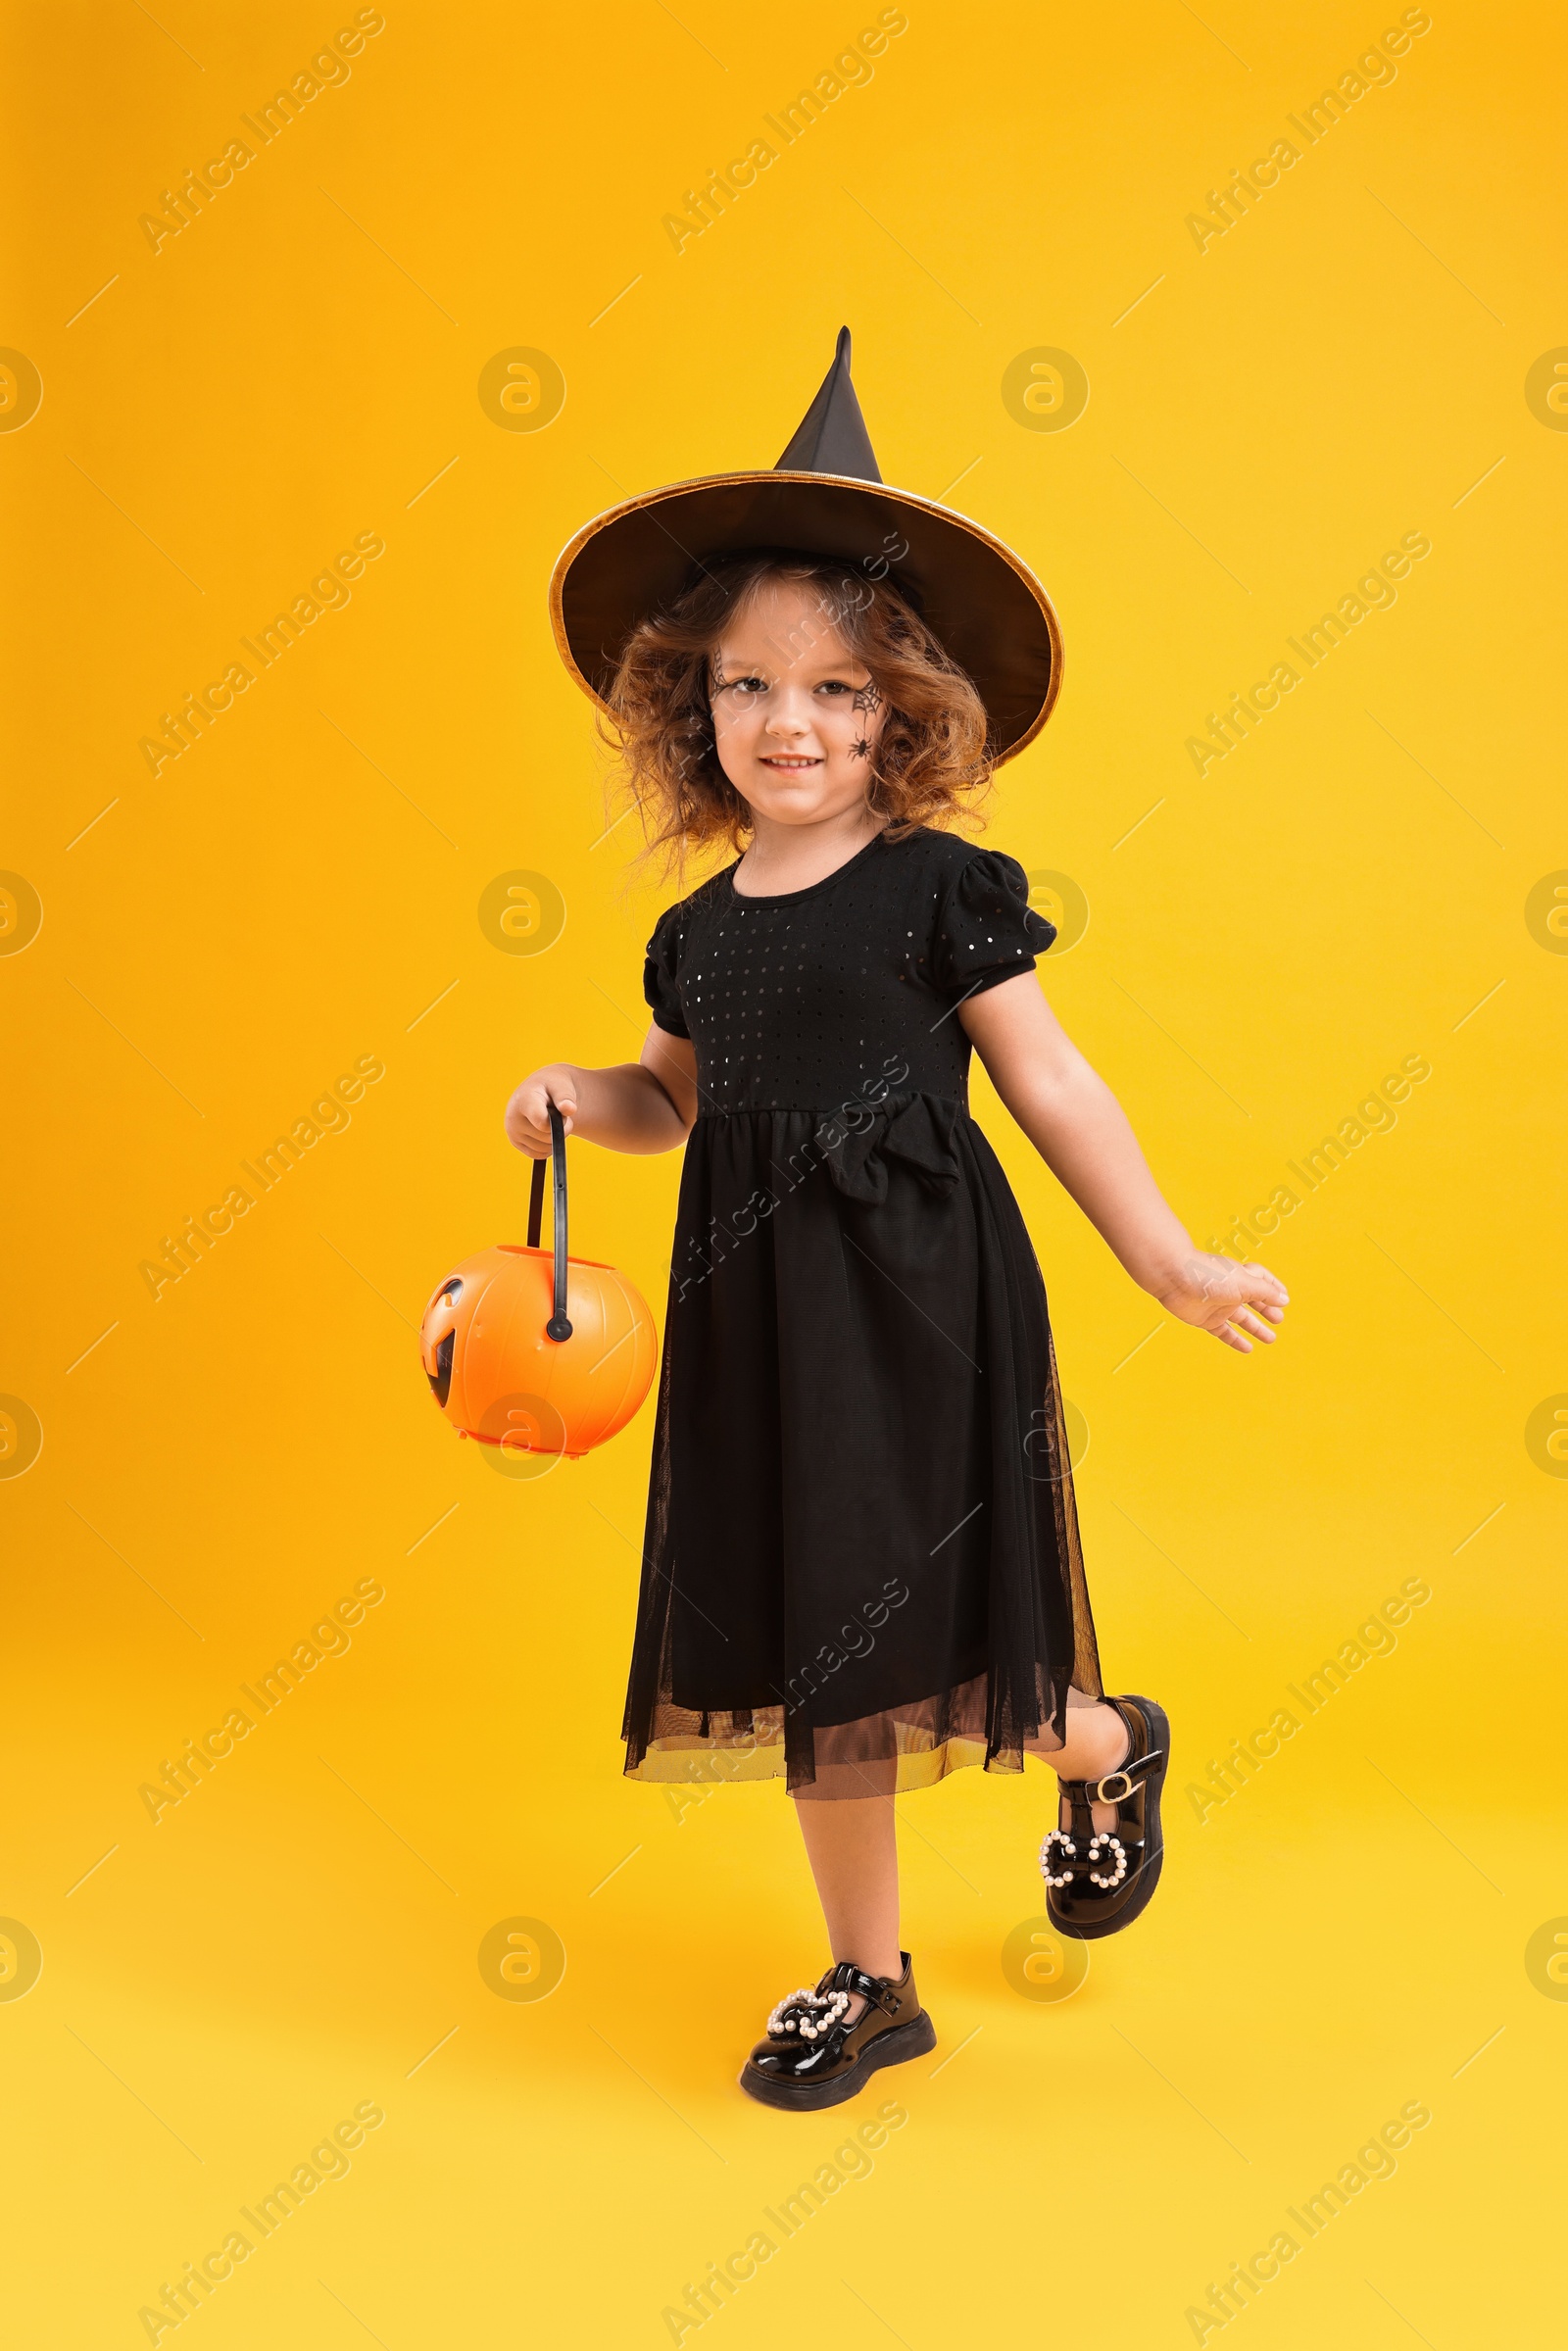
(645, 1106)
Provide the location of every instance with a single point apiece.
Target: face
(796, 717)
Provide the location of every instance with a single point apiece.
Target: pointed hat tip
(831, 437)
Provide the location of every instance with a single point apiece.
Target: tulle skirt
(862, 1567)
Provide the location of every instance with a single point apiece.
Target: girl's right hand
(528, 1111)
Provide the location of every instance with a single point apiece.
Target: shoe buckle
(1106, 1793)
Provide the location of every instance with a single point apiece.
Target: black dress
(862, 1564)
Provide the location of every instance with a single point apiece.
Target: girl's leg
(854, 1856)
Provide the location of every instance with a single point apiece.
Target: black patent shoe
(813, 2058)
(1097, 1881)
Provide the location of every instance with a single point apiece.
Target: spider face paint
(868, 701)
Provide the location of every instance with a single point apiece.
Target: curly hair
(932, 759)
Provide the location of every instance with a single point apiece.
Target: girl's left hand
(1226, 1300)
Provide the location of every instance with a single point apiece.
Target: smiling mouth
(789, 761)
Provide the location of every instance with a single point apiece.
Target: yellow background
(299, 888)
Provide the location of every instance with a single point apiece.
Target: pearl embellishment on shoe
(809, 2012)
(1102, 1842)
(1103, 1837)
(1069, 1854)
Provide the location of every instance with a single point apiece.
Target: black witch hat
(824, 497)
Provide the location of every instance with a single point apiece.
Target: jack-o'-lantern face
(439, 1334)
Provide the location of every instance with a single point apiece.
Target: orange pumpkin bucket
(535, 1351)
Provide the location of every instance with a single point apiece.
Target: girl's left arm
(1080, 1130)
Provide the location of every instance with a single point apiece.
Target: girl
(862, 1567)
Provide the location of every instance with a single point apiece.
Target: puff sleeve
(987, 931)
(660, 989)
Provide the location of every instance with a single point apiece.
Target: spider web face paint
(868, 701)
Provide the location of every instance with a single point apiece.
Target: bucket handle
(558, 1327)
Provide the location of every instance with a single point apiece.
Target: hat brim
(984, 607)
